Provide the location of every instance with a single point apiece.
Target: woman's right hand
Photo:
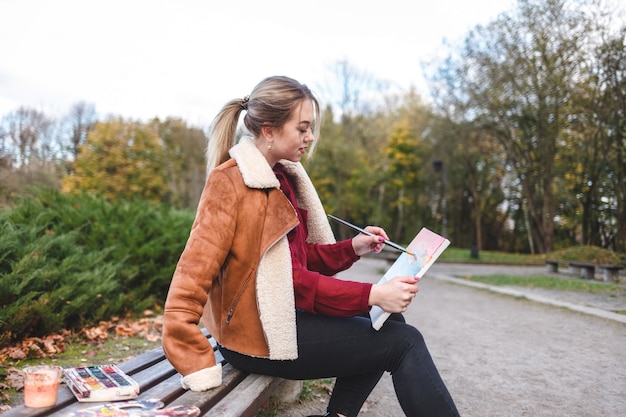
(395, 295)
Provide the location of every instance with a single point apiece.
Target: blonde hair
(271, 103)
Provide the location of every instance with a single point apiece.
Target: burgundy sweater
(316, 291)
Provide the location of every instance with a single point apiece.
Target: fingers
(408, 302)
(408, 289)
(377, 231)
(412, 291)
(363, 244)
(410, 280)
(395, 295)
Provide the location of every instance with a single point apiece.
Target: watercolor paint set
(100, 383)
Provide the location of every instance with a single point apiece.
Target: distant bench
(240, 395)
(585, 269)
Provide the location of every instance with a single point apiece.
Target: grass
(463, 255)
(552, 283)
(583, 253)
(590, 254)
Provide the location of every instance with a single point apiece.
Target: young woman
(258, 270)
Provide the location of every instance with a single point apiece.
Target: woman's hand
(395, 295)
(363, 244)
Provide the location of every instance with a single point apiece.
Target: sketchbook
(427, 246)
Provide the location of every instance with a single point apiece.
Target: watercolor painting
(426, 246)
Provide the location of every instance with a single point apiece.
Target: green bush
(69, 261)
(591, 254)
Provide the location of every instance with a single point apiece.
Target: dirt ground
(524, 353)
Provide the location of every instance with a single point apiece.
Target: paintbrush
(365, 232)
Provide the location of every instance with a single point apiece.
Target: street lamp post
(439, 167)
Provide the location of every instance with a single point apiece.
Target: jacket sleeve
(211, 236)
(331, 259)
(316, 292)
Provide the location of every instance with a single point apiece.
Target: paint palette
(146, 408)
(100, 383)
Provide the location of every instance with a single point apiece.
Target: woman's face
(291, 141)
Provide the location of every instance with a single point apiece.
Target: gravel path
(506, 355)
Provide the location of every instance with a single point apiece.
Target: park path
(505, 355)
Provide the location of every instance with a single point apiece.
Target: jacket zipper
(231, 310)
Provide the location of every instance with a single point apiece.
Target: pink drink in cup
(41, 385)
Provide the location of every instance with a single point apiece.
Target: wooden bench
(585, 269)
(240, 395)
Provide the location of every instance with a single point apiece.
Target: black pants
(357, 355)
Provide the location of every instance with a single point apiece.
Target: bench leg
(588, 272)
(552, 267)
(611, 275)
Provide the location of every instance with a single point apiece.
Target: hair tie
(244, 103)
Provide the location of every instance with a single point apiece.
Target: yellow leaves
(120, 160)
(404, 152)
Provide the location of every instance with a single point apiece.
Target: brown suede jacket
(234, 274)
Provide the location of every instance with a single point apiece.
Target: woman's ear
(267, 132)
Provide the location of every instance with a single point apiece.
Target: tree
(29, 151)
(611, 113)
(184, 168)
(26, 136)
(407, 147)
(81, 120)
(119, 160)
(348, 166)
(402, 178)
(516, 77)
(330, 166)
(352, 91)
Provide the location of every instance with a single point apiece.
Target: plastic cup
(41, 385)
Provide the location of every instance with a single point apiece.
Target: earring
(269, 146)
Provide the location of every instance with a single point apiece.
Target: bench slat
(154, 375)
(142, 361)
(237, 403)
(205, 400)
(167, 390)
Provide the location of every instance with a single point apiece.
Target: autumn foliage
(120, 160)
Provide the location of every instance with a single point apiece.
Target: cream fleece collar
(255, 170)
(257, 173)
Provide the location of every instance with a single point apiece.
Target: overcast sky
(186, 58)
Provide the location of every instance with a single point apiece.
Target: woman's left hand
(363, 244)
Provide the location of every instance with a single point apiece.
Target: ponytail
(222, 135)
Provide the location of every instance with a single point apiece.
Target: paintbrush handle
(365, 232)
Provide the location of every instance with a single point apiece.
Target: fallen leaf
(14, 378)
